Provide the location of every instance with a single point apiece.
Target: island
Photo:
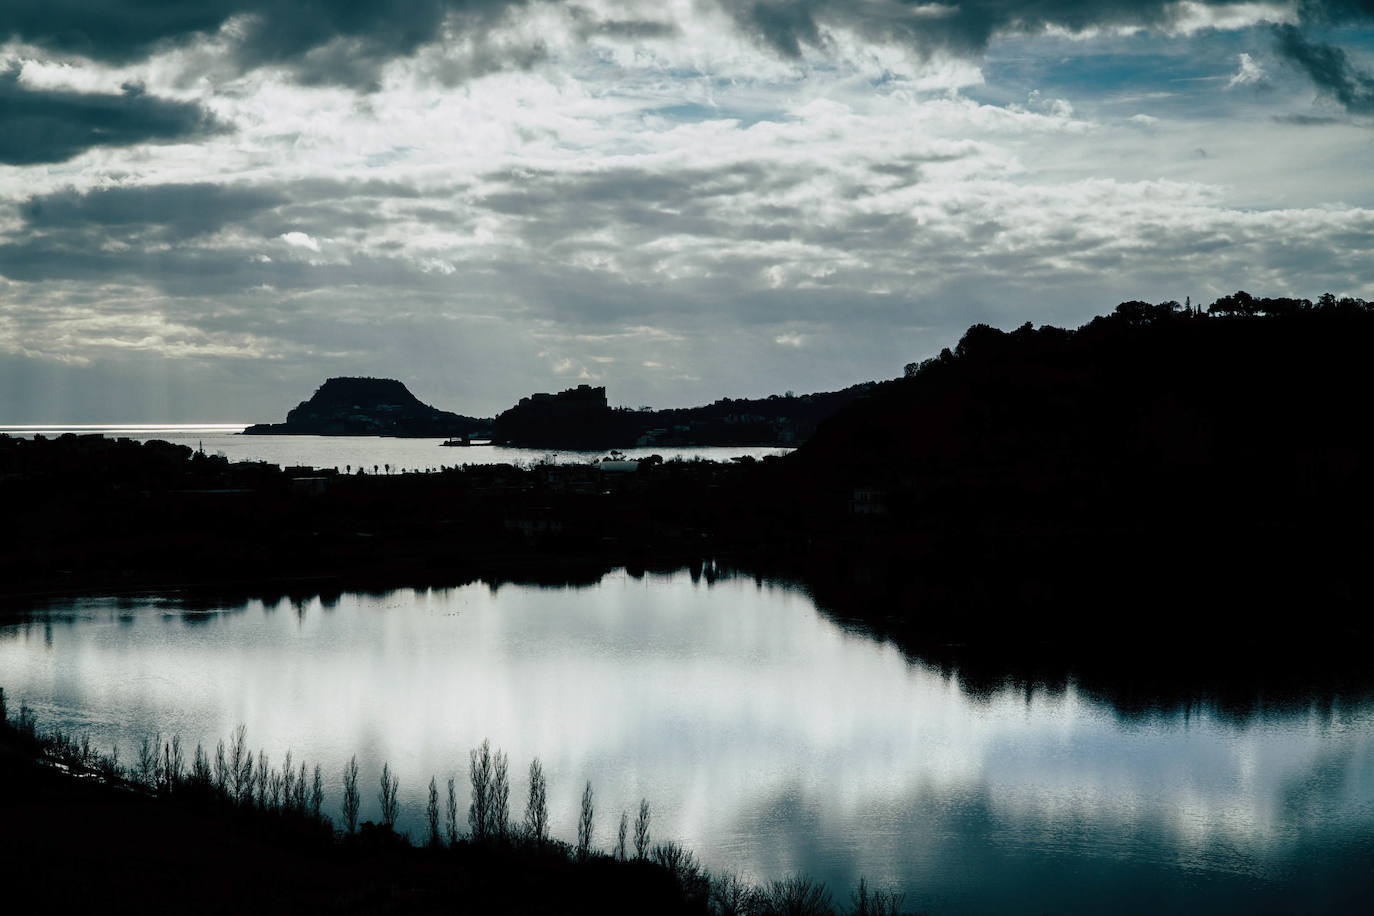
(582, 418)
(579, 418)
(369, 407)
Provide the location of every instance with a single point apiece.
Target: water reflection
(767, 737)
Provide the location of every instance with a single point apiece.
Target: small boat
(460, 441)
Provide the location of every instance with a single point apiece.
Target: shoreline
(227, 820)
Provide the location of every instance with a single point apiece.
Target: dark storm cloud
(1302, 120)
(163, 235)
(199, 272)
(965, 28)
(1335, 12)
(349, 43)
(115, 31)
(50, 125)
(736, 202)
(344, 42)
(181, 210)
(1329, 68)
(587, 25)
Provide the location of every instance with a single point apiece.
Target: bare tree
(240, 765)
(275, 791)
(264, 778)
(799, 895)
(247, 779)
(499, 807)
(387, 796)
(201, 777)
(300, 791)
(292, 790)
(732, 897)
(621, 832)
(865, 902)
(642, 830)
(317, 794)
(480, 775)
(288, 782)
(451, 811)
(221, 769)
(350, 799)
(148, 769)
(584, 823)
(173, 764)
(537, 805)
(432, 813)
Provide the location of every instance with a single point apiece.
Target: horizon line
(45, 427)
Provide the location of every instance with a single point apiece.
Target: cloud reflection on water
(766, 737)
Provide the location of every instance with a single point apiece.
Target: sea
(348, 453)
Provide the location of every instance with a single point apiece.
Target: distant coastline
(137, 428)
(579, 418)
(1187, 467)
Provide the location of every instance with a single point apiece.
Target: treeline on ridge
(1161, 460)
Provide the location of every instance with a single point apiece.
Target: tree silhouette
(386, 794)
(537, 805)
(642, 830)
(451, 811)
(480, 775)
(584, 823)
(432, 813)
(350, 798)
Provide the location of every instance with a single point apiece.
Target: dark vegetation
(226, 831)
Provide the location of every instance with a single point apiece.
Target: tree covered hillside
(1158, 454)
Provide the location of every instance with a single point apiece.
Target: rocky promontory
(369, 407)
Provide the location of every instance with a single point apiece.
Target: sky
(208, 207)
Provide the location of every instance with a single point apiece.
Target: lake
(767, 737)
(368, 451)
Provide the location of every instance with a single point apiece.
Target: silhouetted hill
(1159, 393)
(369, 407)
(1200, 465)
(786, 419)
(581, 418)
(578, 418)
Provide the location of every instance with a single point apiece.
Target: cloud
(668, 201)
(341, 43)
(1335, 12)
(51, 125)
(1329, 68)
(172, 211)
(790, 27)
(1302, 120)
(1248, 74)
(300, 240)
(351, 43)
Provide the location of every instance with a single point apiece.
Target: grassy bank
(227, 830)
